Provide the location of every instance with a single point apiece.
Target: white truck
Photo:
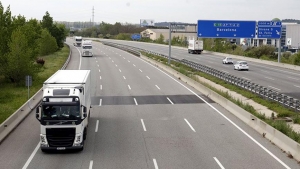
(87, 48)
(65, 110)
(78, 41)
(195, 46)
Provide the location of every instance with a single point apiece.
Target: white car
(241, 65)
(227, 60)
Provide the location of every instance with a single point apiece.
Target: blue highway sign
(226, 29)
(269, 29)
(135, 36)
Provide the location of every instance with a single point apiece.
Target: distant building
(154, 34)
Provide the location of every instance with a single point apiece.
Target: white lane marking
(219, 163)
(96, 61)
(31, 156)
(144, 127)
(140, 70)
(91, 164)
(116, 65)
(129, 87)
(95, 58)
(112, 61)
(109, 58)
(134, 65)
(148, 77)
(129, 61)
(269, 78)
(155, 163)
(235, 125)
(297, 86)
(80, 58)
(170, 100)
(124, 57)
(98, 65)
(157, 87)
(124, 77)
(292, 78)
(100, 77)
(120, 70)
(224, 71)
(135, 101)
(100, 103)
(100, 87)
(190, 125)
(274, 88)
(246, 78)
(99, 70)
(97, 125)
(120, 55)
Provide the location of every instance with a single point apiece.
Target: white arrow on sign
(289, 41)
(252, 35)
(234, 35)
(200, 34)
(217, 34)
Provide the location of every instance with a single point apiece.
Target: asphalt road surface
(144, 118)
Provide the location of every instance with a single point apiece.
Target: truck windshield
(78, 39)
(53, 112)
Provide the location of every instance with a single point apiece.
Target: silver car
(227, 60)
(241, 65)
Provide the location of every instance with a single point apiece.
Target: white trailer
(65, 110)
(87, 48)
(195, 46)
(78, 41)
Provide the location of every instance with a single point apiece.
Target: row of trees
(106, 30)
(23, 41)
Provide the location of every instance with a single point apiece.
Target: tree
(19, 59)
(47, 21)
(161, 39)
(47, 43)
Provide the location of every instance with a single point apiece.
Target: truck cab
(87, 48)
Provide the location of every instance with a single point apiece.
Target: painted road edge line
(31, 156)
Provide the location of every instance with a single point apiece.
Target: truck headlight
(78, 139)
(44, 142)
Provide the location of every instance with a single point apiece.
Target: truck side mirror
(37, 110)
(84, 109)
(37, 113)
(37, 116)
(84, 115)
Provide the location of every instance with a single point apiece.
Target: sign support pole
(169, 43)
(279, 50)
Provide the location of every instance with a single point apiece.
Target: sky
(132, 11)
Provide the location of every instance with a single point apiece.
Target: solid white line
(80, 58)
(31, 156)
(140, 70)
(292, 78)
(134, 65)
(170, 100)
(297, 86)
(269, 78)
(120, 70)
(148, 77)
(219, 163)
(274, 88)
(224, 71)
(97, 125)
(124, 77)
(190, 125)
(100, 87)
(144, 127)
(135, 101)
(91, 164)
(235, 125)
(100, 77)
(129, 87)
(100, 103)
(155, 163)
(157, 87)
(246, 78)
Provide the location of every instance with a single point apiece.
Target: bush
(40, 61)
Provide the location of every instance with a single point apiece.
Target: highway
(282, 80)
(144, 118)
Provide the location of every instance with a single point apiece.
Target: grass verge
(12, 97)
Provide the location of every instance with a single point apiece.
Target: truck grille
(60, 137)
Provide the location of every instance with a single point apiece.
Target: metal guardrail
(266, 93)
